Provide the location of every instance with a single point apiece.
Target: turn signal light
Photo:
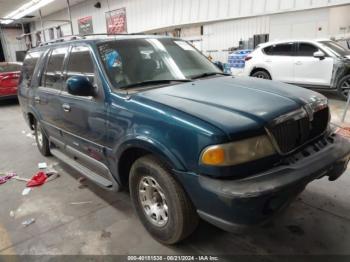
(213, 156)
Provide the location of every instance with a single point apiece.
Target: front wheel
(344, 87)
(41, 140)
(160, 202)
(262, 75)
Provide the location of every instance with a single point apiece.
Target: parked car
(344, 42)
(322, 64)
(9, 76)
(152, 114)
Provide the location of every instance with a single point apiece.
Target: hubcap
(153, 201)
(346, 87)
(39, 135)
(262, 76)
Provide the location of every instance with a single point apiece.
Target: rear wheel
(261, 74)
(160, 202)
(344, 87)
(41, 140)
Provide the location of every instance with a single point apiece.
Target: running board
(82, 169)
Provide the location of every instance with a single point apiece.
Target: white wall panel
(144, 15)
(223, 35)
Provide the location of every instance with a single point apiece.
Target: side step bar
(82, 169)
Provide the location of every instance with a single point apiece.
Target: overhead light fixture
(24, 10)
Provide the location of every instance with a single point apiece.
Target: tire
(41, 140)
(344, 87)
(262, 74)
(177, 217)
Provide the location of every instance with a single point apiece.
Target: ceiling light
(24, 10)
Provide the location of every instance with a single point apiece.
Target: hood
(232, 104)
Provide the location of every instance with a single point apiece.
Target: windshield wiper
(208, 74)
(155, 82)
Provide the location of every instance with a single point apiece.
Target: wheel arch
(132, 150)
(260, 68)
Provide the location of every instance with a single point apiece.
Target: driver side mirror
(80, 86)
(320, 55)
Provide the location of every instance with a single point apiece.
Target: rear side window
(306, 49)
(80, 63)
(29, 64)
(280, 49)
(52, 77)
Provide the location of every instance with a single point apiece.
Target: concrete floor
(318, 222)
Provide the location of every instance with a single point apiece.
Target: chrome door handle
(66, 107)
(37, 99)
(298, 63)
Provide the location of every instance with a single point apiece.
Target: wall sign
(116, 21)
(85, 25)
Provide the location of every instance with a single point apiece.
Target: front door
(310, 70)
(84, 118)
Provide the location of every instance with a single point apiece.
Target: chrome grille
(294, 132)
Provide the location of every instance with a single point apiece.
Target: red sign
(116, 21)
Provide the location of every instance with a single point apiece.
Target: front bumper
(254, 199)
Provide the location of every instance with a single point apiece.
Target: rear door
(84, 118)
(46, 96)
(279, 61)
(309, 70)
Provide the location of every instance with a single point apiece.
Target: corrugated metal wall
(146, 15)
(226, 22)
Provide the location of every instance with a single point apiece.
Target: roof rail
(107, 34)
(62, 39)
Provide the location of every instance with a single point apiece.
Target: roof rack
(62, 39)
(77, 37)
(107, 34)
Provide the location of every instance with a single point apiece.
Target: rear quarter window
(29, 64)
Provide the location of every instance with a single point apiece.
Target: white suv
(313, 64)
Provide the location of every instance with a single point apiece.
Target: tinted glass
(307, 49)
(133, 61)
(280, 49)
(6, 67)
(80, 63)
(335, 48)
(53, 72)
(29, 64)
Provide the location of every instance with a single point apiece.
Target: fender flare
(152, 146)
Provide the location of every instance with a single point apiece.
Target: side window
(52, 77)
(306, 49)
(81, 63)
(29, 64)
(280, 50)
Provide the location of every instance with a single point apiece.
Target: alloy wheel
(153, 201)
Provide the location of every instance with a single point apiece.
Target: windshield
(335, 48)
(150, 60)
(5, 68)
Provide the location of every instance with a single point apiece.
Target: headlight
(237, 152)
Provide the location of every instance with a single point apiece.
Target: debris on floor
(12, 213)
(37, 180)
(42, 165)
(81, 203)
(21, 178)
(30, 135)
(4, 177)
(28, 222)
(26, 191)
